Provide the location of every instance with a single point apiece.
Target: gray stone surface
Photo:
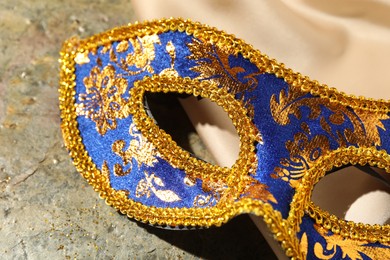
(47, 211)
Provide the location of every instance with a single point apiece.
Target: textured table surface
(46, 209)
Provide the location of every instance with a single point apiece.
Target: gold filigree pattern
(347, 229)
(365, 125)
(139, 149)
(153, 184)
(202, 200)
(213, 64)
(304, 152)
(350, 249)
(305, 149)
(216, 193)
(103, 102)
(179, 157)
(253, 189)
(139, 59)
(286, 104)
(171, 50)
(257, 190)
(284, 230)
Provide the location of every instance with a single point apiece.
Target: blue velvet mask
(292, 130)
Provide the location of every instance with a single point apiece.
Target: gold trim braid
(205, 217)
(180, 158)
(301, 201)
(284, 230)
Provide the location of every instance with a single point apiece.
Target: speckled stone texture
(47, 211)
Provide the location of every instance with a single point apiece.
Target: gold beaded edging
(231, 43)
(205, 217)
(284, 231)
(181, 158)
(347, 229)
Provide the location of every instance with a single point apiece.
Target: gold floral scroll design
(154, 184)
(212, 189)
(305, 149)
(146, 186)
(218, 181)
(221, 213)
(138, 60)
(171, 50)
(142, 151)
(180, 158)
(349, 249)
(213, 64)
(258, 191)
(103, 102)
(364, 122)
(301, 202)
(217, 192)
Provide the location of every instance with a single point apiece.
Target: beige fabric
(344, 44)
(382, 207)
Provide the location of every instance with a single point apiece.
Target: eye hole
(215, 128)
(355, 193)
(210, 120)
